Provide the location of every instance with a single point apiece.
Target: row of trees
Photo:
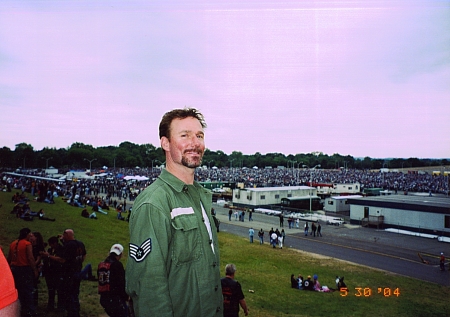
(127, 154)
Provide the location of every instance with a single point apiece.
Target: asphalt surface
(392, 252)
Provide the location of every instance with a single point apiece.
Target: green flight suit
(172, 269)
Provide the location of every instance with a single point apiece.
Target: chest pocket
(186, 239)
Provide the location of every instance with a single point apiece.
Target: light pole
(90, 163)
(209, 163)
(156, 161)
(46, 163)
(310, 184)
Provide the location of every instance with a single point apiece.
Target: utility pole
(310, 184)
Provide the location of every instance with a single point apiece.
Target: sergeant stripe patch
(138, 253)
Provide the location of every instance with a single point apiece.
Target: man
(313, 229)
(24, 270)
(281, 220)
(74, 255)
(274, 239)
(261, 236)
(232, 294)
(308, 284)
(53, 271)
(251, 233)
(173, 264)
(111, 283)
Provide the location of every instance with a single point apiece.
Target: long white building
(263, 196)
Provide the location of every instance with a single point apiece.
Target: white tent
(137, 178)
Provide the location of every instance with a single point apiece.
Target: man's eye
(200, 136)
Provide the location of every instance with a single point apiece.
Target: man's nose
(195, 140)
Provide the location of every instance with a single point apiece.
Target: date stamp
(369, 292)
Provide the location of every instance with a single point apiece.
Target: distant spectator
(261, 236)
(251, 233)
(294, 282)
(41, 215)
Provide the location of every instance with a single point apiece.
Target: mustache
(195, 150)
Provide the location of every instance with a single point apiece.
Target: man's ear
(165, 143)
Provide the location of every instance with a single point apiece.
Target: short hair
(164, 126)
(52, 240)
(230, 269)
(23, 233)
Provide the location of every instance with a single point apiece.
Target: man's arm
(244, 306)
(148, 264)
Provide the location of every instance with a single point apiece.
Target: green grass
(260, 268)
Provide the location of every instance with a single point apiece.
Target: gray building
(416, 213)
(338, 203)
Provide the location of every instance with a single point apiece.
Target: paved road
(379, 249)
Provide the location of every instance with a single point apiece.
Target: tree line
(130, 155)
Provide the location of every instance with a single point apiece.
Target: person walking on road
(442, 261)
(274, 239)
(281, 236)
(251, 233)
(313, 229)
(261, 236)
(319, 229)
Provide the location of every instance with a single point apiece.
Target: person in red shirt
(9, 300)
(442, 261)
(23, 268)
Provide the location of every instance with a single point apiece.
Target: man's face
(186, 145)
(31, 237)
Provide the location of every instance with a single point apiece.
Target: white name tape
(181, 211)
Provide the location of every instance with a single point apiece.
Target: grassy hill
(263, 270)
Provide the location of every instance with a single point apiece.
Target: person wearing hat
(111, 283)
(308, 284)
(317, 286)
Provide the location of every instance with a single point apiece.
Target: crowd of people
(75, 195)
(60, 264)
(115, 185)
(312, 283)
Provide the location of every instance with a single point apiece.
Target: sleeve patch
(138, 253)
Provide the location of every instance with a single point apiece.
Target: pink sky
(360, 78)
